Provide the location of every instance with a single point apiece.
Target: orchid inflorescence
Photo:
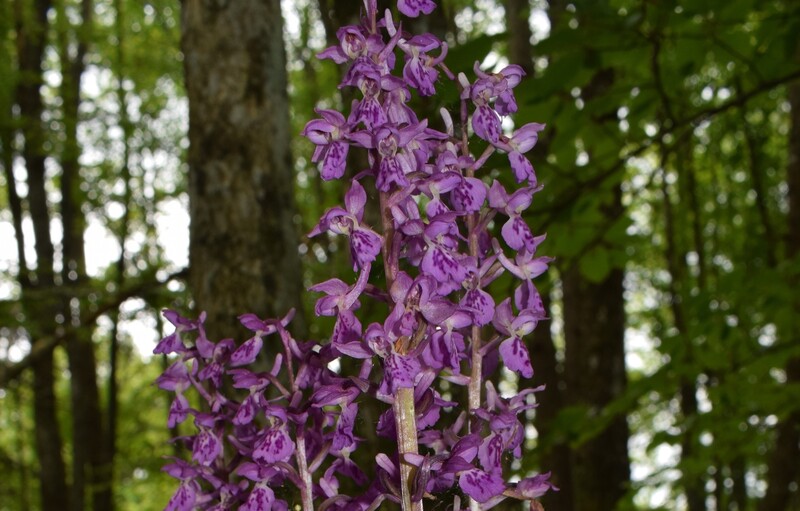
(291, 422)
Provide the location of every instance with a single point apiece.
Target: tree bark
(594, 328)
(38, 295)
(91, 482)
(783, 474)
(555, 457)
(243, 239)
(520, 51)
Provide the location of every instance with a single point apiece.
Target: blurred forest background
(671, 165)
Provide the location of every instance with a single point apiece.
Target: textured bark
(594, 320)
(556, 457)
(520, 51)
(784, 461)
(243, 248)
(91, 481)
(112, 400)
(38, 295)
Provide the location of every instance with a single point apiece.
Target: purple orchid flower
(365, 244)
(329, 135)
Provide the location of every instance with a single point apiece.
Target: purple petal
(334, 162)
(206, 447)
(486, 124)
(175, 378)
(517, 234)
(355, 199)
(170, 344)
(442, 265)
(261, 499)
(536, 486)
(178, 411)
(467, 447)
(401, 371)
(523, 170)
(247, 352)
(343, 436)
(390, 173)
(498, 197)
(506, 103)
(253, 323)
(469, 195)
(490, 453)
(481, 486)
(184, 498)
(412, 8)
(420, 76)
(515, 356)
(526, 137)
(365, 245)
(275, 445)
(503, 317)
(246, 412)
(480, 304)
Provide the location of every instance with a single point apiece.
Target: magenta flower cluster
(262, 425)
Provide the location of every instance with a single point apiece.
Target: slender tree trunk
(520, 51)
(594, 321)
(783, 474)
(38, 296)
(556, 458)
(676, 267)
(91, 482)
(243, 248)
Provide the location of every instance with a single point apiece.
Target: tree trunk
(91, 482)
(520, 51)
(38, 296)
(783, 474)
(594, 328)
(243, 248)
(555, 458)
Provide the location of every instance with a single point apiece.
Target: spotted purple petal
(178, 410)
(536, 486)
(413, 8)
(523, 170)
(401, 371)
(515, 356)
(470, 195)
(490, 453)
(480, 304)
(261, 499)
(480, 485)
(184, 498)
(365, 245)
(334, 161)
(486, 124)
(247, 352)
(517, 234)
(246, 412)
(343, 436)
(206, 447)
(275, 445)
